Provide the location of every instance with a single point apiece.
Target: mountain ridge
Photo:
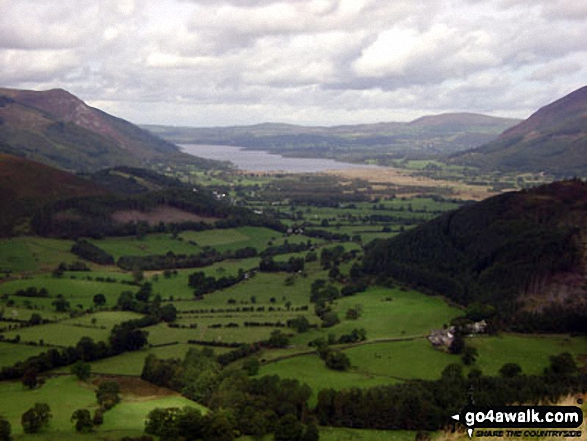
(59, 129)
(426, 137)
(552, 140)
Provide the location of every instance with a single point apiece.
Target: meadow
(128, 415)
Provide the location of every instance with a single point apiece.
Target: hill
(519, 251)
(552, 140)
(59, 129)
(426, 137)
(26, 185)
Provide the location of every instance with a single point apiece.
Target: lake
(257, 160)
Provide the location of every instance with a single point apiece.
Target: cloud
(221, 62)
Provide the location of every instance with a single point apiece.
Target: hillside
(27, 185)
(519, 250)
(59, 129)
(552, 140)
(384, 142)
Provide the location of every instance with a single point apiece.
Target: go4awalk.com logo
(522, 421)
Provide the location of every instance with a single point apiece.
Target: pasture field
(235, 238)
(310, 369)
(102, 319)
(531, 352)
(58, 334)
(131, 363)
(150, 244)
(29, 254)
(10, 353)
(16, 399)
(131, 412)
(176, 286)
(392, 312)
(65, 394)
(77, 291)
(401, 360)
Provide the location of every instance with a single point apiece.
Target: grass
(65, 394)
(400, 360)
(151, 244)
(531, 352)
(58, 334)
(130, 415)
(408, 313)
(234, 238)
(310, 369)
(28, 254)
(77, 291)
(131, 363)
(11, 353)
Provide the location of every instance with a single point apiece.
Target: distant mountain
(426, 137)
(59, 129)
(553, 140)
(25, 186)
(520, 251)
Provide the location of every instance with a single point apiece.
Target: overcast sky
(314, 62)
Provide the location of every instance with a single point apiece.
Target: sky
(310, 62)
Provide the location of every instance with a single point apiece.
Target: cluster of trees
(169, 261)
(36, 418)
(91, 252)
(32, 291)
(240, 405)
(286, 248)
(428, 405)
(204, 284)
(293, 265)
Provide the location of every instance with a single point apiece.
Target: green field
(235, 238)
(150, 244)
(10, 353)
(59, 334)
(34, 253)
(310, 369)
(531, 352)
(65, 394)
(131, 363)
(78, 290)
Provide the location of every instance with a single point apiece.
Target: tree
(338, 361)
(98, 419)
(458, 344)
(29, 378)
(288, 428)
(107, 394)
(99, 300)
(562, 365)
(311, 433)
(81, 370)
(83, 420)
(469, 355)
(251, 366)
(510, 370)
(36, 418)
(278, 339)
(61, 305)
(5, 429)
(217, 426)
(36, 319)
